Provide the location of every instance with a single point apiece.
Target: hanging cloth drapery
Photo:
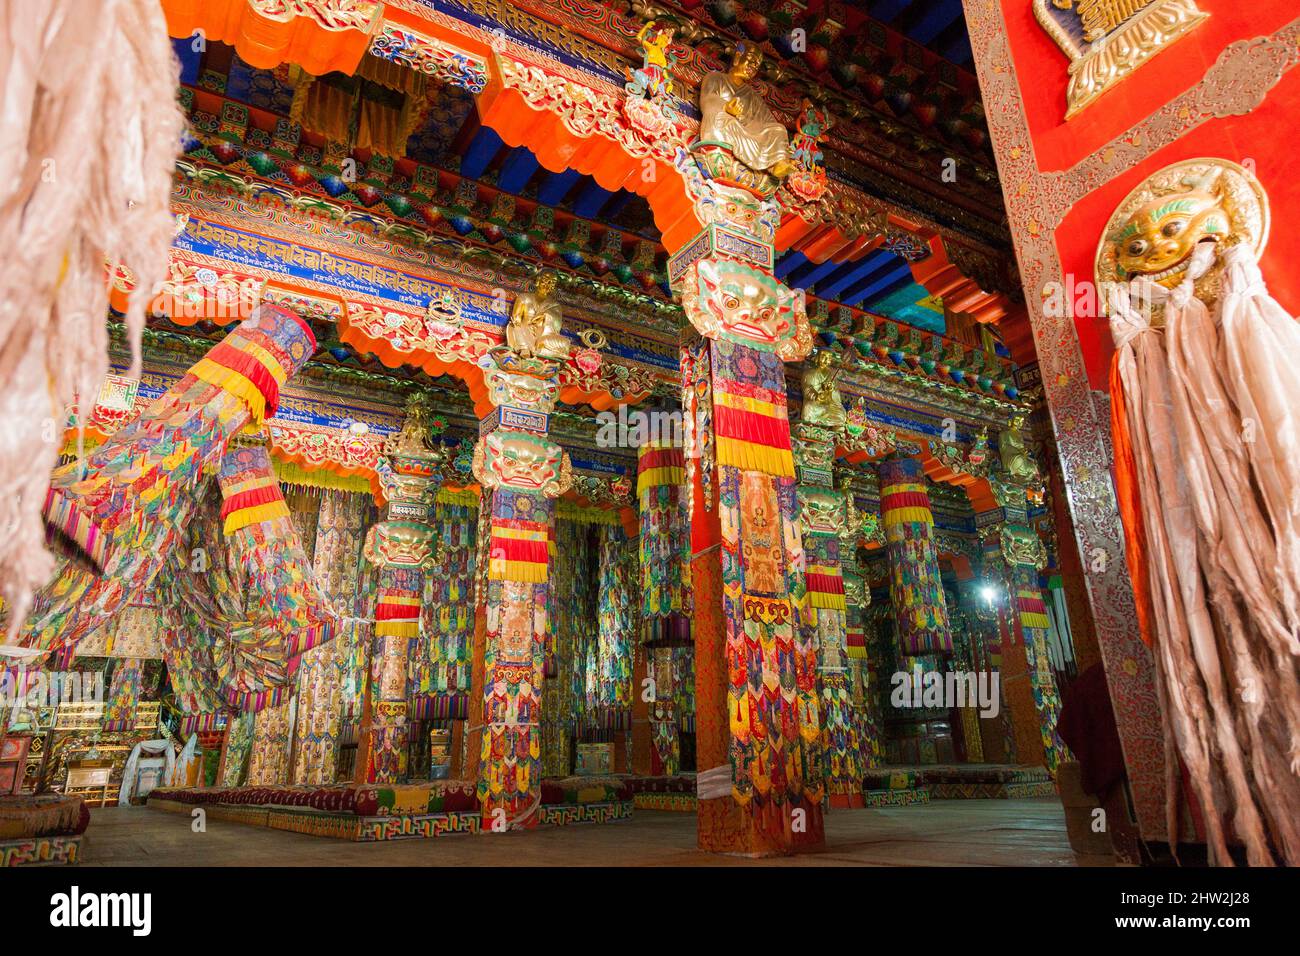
(130, 773)
(73, 74)
(342, 110)
(184, 766)
(1213, 528)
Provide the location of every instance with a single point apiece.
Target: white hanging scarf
(130, 773)
(1218, 488)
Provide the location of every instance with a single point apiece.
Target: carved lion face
(1158, 239)
(522, 461)
(748, 304)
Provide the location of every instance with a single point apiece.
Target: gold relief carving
(531, 383)
(406, 544)
(1017, 462)
(741, 142)
(815, 449)
(731, 206)
(415, 440)
(822, 511)
(1021, 547)
(858, 525)
(586, 111)
(331, 14)
(724, 299)
(604, 491)
(524, 462)
(973, 461)
(437, 332)
(1154, 231)
(862, 434)
(1118, 36)
(590, 371)
(535, 323)
(1237, 83)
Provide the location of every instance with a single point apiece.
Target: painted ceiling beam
(823, 271)
(957, 50)
(482, 149)
(788, 263)
(934, 20)
(517, 168)
(857, 271)
(887, 11)
(617, 204)
(556, 186)
(795, 278)
(590, 200)
(872, 286)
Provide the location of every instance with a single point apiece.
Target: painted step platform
(675, 793)
(376, 812)
(963, 781)
(41, 830)
(895, 798)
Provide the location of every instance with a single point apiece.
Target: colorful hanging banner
(125, 508)
(515, 659)
(915, 584)
(751, 422)
(664, 544)
(775, 730)
(520, 551)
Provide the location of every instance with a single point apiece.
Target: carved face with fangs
(1158, 239)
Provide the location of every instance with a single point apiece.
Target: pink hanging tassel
(75, 76)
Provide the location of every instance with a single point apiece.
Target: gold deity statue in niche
(1017, 462)
(822, 403)
(735, 117)
(536, 321)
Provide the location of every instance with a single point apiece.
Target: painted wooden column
(863, 691)
(402, 547)
(825, 521)
(337, 562)
(665, 604)
(521, 471)
(642, 762)
(915, 585)
(665, 584)
(758, 734)
(1015, 552)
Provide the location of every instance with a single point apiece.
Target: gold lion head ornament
(1155, 230)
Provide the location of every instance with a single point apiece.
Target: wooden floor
(945, 833)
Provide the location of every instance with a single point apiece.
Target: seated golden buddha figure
(822, 404)
(535, 323)
(735, 116)
(1016, 460)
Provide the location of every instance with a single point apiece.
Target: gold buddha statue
(734, 116)
(1016, 460)
(535, 323)
(822, 404)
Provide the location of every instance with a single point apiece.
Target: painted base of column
(337, 826)
(723, 825)
(758, 829)
(846, 801)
